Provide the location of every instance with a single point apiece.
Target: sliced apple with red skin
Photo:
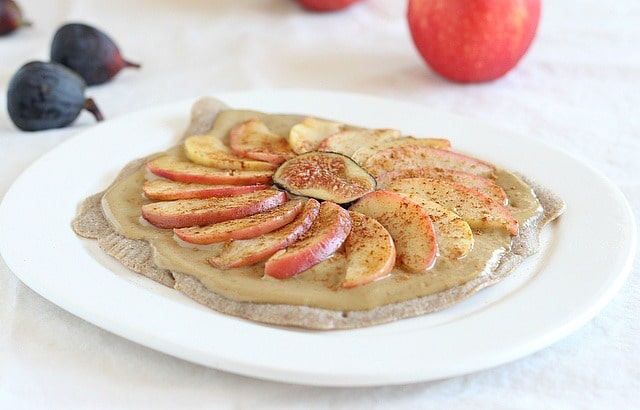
(365, 151)
(477, 209)
(242, 228)
(370, 252)
(453, 234)
(209, 151)
(182, 170)
(414, 156)
(237, 253)
(484, 185)
(326, 235)
(349, 141)
(307, 135)
(253, 139)
(410, 227)
(164, 190)
(189, 212)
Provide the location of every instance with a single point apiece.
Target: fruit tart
(302, 221)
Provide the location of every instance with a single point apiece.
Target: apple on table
(473, 40)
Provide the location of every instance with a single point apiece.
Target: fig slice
(326, 176)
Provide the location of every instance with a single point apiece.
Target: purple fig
(10, 17)
(89, 52)
(44, 95)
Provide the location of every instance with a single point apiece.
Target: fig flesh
(326, 176)
(89, 52)
(44, 95)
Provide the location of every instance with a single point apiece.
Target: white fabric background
(578, 88)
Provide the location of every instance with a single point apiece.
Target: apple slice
(242, 228)
(163, 190)
(243, 252)
(453, 234)
(326, 235)
(477, 209)
(483, 185)
(349, 141)
(369, 249)
(416, 156)
(253, 139)
(181, 170)
(189, 212)
(410, 227)
(365, 151)
(307, 135)
(209, 151)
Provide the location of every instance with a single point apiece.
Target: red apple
(164, 190)
(326, 5)
(242, 228)
(253, 139)
(325, 236)
(473, 40)
(243, 252)
(189, 212)
(182, 170)
(408, 224)
(419, 156)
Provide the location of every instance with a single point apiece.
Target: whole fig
(10, 17)
(43, 95)
(89, 52)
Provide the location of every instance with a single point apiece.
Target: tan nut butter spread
(320, 285)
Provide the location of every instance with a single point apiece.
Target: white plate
(585, 259)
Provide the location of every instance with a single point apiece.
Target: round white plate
(586, 256)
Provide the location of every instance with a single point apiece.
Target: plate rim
(323, 375)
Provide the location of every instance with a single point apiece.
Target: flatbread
(137, 255)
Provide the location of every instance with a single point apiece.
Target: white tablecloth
(578, 88)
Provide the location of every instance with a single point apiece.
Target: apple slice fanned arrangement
(380, 199)
(301, 221)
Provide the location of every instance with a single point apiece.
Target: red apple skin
(163, 190)
(473, 40)
(326, 5)
(249, 251)
(190, 212)
(180, 170)
(242, 228)
(326, 235)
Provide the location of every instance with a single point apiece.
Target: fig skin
(89, 52)
(43, 95)
(326, 176)
(11, 17)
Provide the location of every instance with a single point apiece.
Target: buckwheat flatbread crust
(137, 255)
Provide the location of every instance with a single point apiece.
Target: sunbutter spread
(320, 285)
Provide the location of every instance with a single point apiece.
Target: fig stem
(130, 64)
(91, 106)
